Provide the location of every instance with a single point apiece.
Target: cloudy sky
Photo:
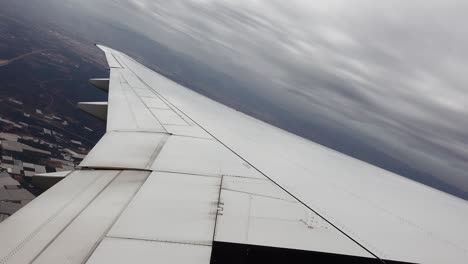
(390, 76)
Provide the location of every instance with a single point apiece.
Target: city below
(34, 143)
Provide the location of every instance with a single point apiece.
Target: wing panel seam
(157, 151)
(159, 241)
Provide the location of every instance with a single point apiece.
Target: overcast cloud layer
(392, 74)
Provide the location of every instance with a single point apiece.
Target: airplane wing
(180, 178)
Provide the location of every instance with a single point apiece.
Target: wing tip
(102, 47)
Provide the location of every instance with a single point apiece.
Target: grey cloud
(391, 74)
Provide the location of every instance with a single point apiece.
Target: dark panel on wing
(232, 253)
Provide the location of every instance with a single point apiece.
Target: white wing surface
(179, 178)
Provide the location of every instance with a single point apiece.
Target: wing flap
(131, 150)
(29, 231)
(174, 208)
(78, 241)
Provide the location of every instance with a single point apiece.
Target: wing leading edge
(180, 178)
